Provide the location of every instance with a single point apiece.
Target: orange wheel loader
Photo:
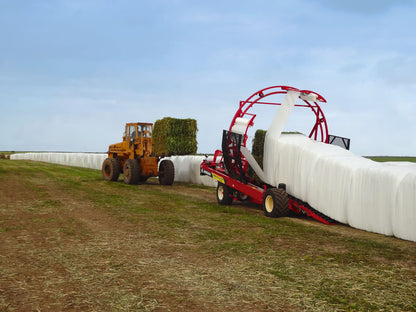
(134, 158)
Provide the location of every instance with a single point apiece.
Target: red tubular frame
(319, 131)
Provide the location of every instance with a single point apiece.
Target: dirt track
(65, 247)
(61, 252)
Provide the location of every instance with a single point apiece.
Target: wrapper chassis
(229, 165)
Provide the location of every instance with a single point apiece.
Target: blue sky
(73, 72)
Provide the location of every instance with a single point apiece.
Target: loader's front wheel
(276, 203)
(166, 172)
(131, 171)
(224, 194)
(111, 169)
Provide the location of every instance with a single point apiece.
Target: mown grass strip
(230, 254)
(392, 158)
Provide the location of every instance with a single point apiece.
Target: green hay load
(258, 146)
(257, 152)
(173, 136)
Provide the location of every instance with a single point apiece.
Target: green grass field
(71, 241)
(391, 158)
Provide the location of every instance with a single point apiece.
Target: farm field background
(71, 241)
(392, 158)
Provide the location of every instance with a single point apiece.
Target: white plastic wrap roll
(240, 125)
(273, 134)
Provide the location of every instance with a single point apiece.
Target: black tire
(224, 194)
(143, 179)
(276, 203)
(111, 169)
(131, 171)
(242, 197)
(166, 172)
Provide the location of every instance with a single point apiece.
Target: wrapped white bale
(370, 202)
(187, 169)
(331, 184)
(396, 188)
(373, 203)
(296, 157)
(404, 215)
(376, 197)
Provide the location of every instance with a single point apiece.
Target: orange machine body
(137, 144)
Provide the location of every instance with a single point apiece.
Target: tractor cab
(138, 138)
(136, 131)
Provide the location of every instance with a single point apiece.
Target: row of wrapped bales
(372, 196)
(85, 160)
(172, 136)
(376, 197)
(186, 167)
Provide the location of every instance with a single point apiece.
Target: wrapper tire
(224, 194)
(276, 203)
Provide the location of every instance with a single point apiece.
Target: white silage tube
(85, 160)
(187, 169)
(383, 200)
(376, 197)
(404, 214)
(351, 189)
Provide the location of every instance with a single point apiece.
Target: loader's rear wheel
(276, 203)
(224, 194)
(166, 172)
(131, 171)
(111, 169)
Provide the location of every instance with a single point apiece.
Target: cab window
(132, 132)
(139, 131)
(147, 131)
